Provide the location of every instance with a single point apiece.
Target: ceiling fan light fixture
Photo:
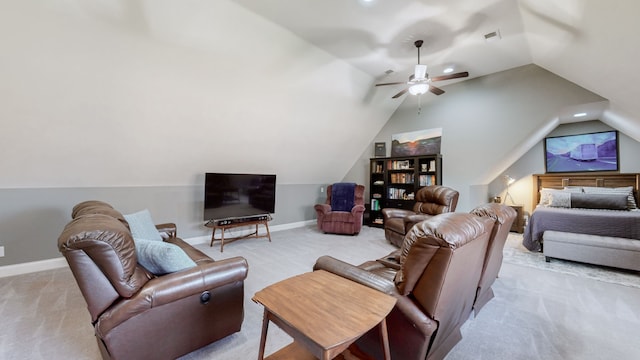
(420, 72)
(418, 89)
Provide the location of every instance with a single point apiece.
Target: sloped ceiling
(589, 42)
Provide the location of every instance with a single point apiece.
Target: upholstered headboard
(560, 180)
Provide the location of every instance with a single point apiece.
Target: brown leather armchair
(503, 217)
(434, 277)
(430, 200)
(341, 221)
(137, 315)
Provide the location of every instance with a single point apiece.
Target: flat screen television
(230, 196)
(582, 153)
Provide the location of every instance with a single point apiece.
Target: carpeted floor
(537, 313)
(515, 253)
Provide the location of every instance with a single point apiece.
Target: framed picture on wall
(582, 153)
(421, 142)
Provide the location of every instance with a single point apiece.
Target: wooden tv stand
(215, 225)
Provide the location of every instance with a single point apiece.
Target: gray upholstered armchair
(430, 200)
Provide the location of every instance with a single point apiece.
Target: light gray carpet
(515, 253)
(536, 314)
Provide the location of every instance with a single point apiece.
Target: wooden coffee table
(324, 314)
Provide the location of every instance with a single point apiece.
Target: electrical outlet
(321, 189)
(1, 251)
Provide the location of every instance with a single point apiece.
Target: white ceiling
(589, 42)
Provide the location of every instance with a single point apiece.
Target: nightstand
(518, 223)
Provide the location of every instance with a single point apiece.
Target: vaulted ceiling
(589, 42)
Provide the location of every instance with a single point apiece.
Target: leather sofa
(503, 217)
(430, 200)
(434, 276)
(138, 315)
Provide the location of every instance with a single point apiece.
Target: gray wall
(533, 162)
(484, 122)
(32, 219)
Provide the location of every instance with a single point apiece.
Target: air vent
(492, 36)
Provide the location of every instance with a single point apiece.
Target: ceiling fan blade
(451, 76)
(435, 90)
(392, 83)
(399, 94)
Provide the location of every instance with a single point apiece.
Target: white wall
(129, 93)
(132, 101)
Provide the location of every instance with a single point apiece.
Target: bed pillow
(142, 226)
(162, 258)
(628, 190)
(560, 199)
(599, 201)
(547, 193)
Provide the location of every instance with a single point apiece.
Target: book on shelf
(426, 180)
(400, 165)
(400, 194)
(402, 178)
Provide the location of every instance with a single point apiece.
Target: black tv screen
(228, 196)
(582, 153)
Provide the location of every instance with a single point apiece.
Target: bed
(588, 217)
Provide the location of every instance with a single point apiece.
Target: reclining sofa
(442, 272)
(139, 315)
(430, 201)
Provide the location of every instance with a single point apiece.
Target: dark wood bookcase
(393, 182)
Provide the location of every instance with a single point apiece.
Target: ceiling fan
(420, 82)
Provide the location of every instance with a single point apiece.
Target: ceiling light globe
(418, 89)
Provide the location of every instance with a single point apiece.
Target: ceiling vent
(492, 36)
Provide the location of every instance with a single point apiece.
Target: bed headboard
(560, 180)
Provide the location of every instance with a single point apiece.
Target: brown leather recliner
(137, 315)
(430, 200)
(434, 277)
(342, 221)
(503, 216)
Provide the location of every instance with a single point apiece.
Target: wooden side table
(518, 223)
(324, 313)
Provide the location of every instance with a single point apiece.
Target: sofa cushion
(161, 258)
(142, 226)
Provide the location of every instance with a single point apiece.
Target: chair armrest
(389, 213)
(322, 208)
(172, 287)
(411, 220)
(169, 228)
(354, 273)
(357, 210)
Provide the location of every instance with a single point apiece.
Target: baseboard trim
(33, 266)
(57, 263)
